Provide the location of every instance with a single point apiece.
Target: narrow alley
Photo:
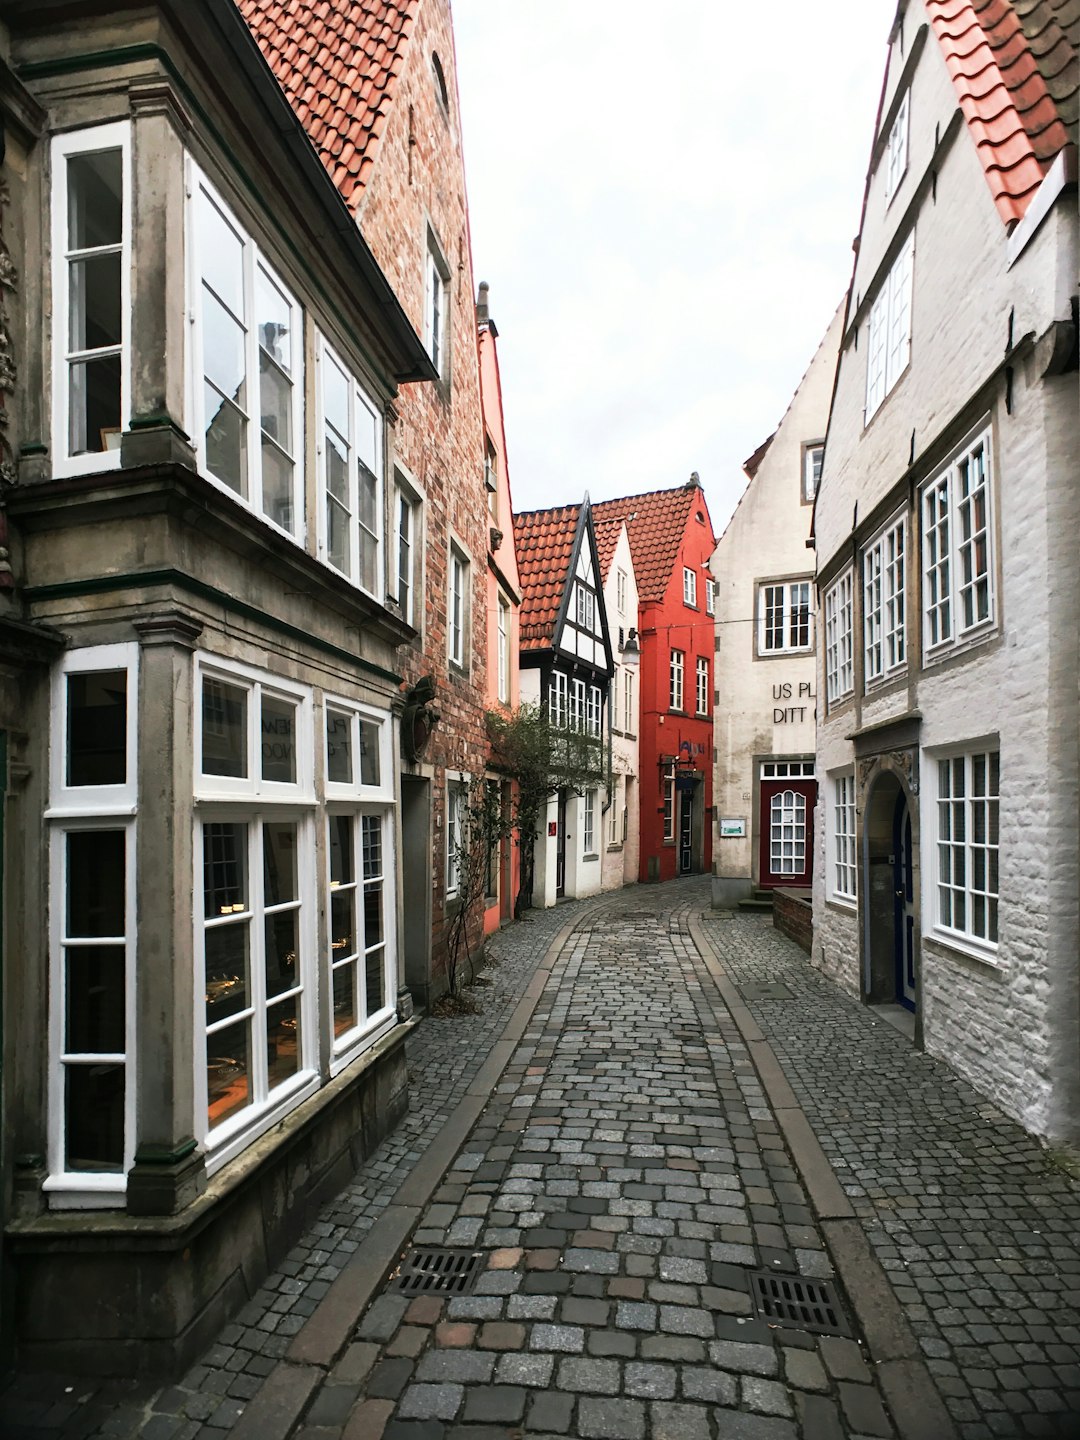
(666, 1110)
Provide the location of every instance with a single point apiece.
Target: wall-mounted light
(631, 650)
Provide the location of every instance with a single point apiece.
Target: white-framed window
(958, 548)
(596, 705)
(788, 770)
(787, 833)
(577, 705)
(628, 702)
(91, 288)
(585, 608)
(669, 800)
(359, 764)
(457, 629)
(558, 708)
(253, 734)
(503, 650)
(703, 706)
(455, 833)
(813, 457)
(677, 677)
(710, 596)
(351, 468)
(839, 644)
(407, 551)
(93, 796)
(436, 306)
(248, 364)
(589, 823)
(616, 717)
(614, 811)
(965, 890)
(785, 617)
(361, 909)
(884, 647)
(491, 480)
(889, 329)
(620, 591)
(896, 153)
(845, 867)
(689, 586)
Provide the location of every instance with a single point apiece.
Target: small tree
(483, 827)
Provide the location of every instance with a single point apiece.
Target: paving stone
(804, 1370)
(732, 1355)
(569, 1338)
(863, 1408)
(493, 1404)
(598, 1377)
(607, 1419)
(525, 1369)
(766, 1397)
(551, 1413)
(679, 1422)
(463, 1366)
(431, 1402)
(650, 1381)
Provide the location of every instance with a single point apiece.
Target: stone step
(756, 903)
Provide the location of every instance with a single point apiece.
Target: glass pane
(372, 843)
(279, 863)
(97, 728)
(226, 971)
(226, 441)
(282, 1042)
(342, 924)
(94, 311)
(373, 922)
(367, 436)
(224, 869)
(94, 1022)
(228, 1077)
(281, 943)
(369, 752)
(224, 361)
(94, 405)
(278, 740)
(274, 317)
(369, 561)
(345, 1017)
(276, 398)
(341, 859)
(339, 768)
(94, 1117)
(375, 988)
(222, 253)
(335, 396)
(95, 199)
(95, 883)
(224, 728)
(337, 537)
(277, 487)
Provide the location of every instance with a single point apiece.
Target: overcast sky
(663, 200)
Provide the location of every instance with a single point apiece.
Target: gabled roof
(338, 62)
(607, 538)
(655, 523)
(544, 540)
(1014, 66)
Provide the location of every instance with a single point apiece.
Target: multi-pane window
(889, 342)
(614, 812)
(845, 867)
(702, 685)
(503, 650)
(787, 833)
(491, 481)
(436, 308)
(249, 366)
(689, 586)
(406, 555)
(883, 603)
(458, 608)
(897, 151)
(620, 591)
(839, 667)
(586, 608)
(455, 836)
(784, 617)
(361, 902)
(710, 596)
(678, 671)
(628, 702)
(813, 459)
(93, 794)
(589, 822)
(967, 845)
(958, 595)
(669, 801)
(91, 238)
(351, 469)
(577, 705)
(558, 709)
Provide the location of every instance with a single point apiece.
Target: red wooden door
(786, 852)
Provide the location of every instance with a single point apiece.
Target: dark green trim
(36, 447)
(161, 1155)
(103, 584)
(158, 420)
(134, 54)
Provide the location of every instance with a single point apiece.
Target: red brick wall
(793, 915)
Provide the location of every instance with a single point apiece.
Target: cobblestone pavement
(977, 1230)
(444, 1056)
(624, 1181)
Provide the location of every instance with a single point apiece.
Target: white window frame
(677, 679)
(702, 667)
(588, 822)
(114, 136)
(710, 596)
(884, 598)
(92, 808)
(628, 702)
(255, 683)
(408, 550)
(436, 305)
(951, 854)
(459, 571)
(369, 1027)
(577, 714)
(889, 329)
(202, 191)
(669, 802)
(952, 575)
(595, 709)
(503, 650)
(843, 866)
(788, 770)
(354, 714)
(794, 596)
(839, 639)
(620, 591)
(614, 810)
(896, 150)
(362, 408)
(689, 586)
(813, 460)
(455, 830)
(585, 608)
(558, 700)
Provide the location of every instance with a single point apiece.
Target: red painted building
(672, 540)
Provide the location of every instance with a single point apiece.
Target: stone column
(167, 1173)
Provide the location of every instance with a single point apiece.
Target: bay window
(839, 662)
(958, 593)
(845, 867)
(350, 446)
(883, 603)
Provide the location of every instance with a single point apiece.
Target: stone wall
(793, 916)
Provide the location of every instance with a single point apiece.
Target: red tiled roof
(544, 540)
(607, 537)
(655, 523)
(1014, 66)
(337, 61)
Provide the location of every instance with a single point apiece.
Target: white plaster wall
(765, 539)
(620, 861)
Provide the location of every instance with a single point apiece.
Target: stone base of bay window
(165, 1182)
(101, 1292)
(156, 440)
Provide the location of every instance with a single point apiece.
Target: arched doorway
(889, 876)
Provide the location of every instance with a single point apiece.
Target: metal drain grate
(431, 1271)
(794, 1300)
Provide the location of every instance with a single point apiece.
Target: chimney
(482, 315)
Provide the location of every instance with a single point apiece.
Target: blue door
(904, 893)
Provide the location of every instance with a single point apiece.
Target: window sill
(588, 859)
(880, 684)
(804, 650)
(614, 849)
(842, 905)
(957, 946)
(961, 646)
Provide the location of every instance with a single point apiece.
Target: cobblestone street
(679, 1103)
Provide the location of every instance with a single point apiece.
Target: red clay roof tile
(543, 541)
(655, 523)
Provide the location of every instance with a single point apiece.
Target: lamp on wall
(631, 650)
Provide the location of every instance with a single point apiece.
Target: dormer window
(897, 151)
(586, 608)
